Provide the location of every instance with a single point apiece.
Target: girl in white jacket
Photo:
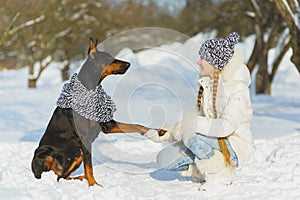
(218, 139)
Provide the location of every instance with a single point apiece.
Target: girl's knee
(173, 157)
(163, 158)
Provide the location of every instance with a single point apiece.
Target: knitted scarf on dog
(94, 104)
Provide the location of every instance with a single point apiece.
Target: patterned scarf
(94, 104)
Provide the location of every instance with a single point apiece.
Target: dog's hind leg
(76, 163)
(76, 178)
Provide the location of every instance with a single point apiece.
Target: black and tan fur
(67, 142)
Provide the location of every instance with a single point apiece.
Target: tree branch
(11, 31)
(6, 33)
(42, 68)
(278, 60)
(57, 36)
(286, 12)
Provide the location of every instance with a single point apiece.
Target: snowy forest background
(43, 42)
(36, 33)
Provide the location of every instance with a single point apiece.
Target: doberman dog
(68, 138)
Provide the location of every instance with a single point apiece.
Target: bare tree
(290, 12)
(58, 30)
(246, 17)
(66, 26)
(197, 16)
(271, 32)
(12, 30)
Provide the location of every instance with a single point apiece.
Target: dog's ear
(92, 47)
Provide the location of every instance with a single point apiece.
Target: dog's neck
(93, 104)
(88, 77)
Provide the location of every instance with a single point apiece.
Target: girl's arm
(236, 112)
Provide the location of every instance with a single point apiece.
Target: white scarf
(94, 104)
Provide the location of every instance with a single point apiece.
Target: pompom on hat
(219, 51)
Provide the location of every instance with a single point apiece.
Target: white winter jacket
(233, 107)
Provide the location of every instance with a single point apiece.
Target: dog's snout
(37, 173)
(38, 176)
(124, 63)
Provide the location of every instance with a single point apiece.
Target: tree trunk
(31, 79)
(32, 83)
(262, 83)
(65, 70)
(262, 80)
(295, 41)
(294, 30)
(253, 58)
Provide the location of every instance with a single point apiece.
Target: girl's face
(206, 68)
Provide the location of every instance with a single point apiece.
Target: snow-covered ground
(156, 90)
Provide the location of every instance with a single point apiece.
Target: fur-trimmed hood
(235, 69)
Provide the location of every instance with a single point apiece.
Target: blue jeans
(177, 156)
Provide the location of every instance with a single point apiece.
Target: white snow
(158, 87)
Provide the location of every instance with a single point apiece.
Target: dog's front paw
(161, 132)
(155, 136)
(91, 181)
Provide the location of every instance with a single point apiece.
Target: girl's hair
(221, 141)
(200, 92)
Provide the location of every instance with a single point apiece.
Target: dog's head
(99, 65)
(45, 159)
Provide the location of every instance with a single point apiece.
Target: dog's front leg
(119, 127)
(88, 167)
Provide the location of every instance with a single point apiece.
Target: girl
(218, 139)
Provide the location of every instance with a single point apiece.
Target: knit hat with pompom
(219, 51)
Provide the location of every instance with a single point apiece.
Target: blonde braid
(221, 141)
(200, 92)
(217, 72)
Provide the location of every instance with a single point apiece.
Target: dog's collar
(94, 104)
